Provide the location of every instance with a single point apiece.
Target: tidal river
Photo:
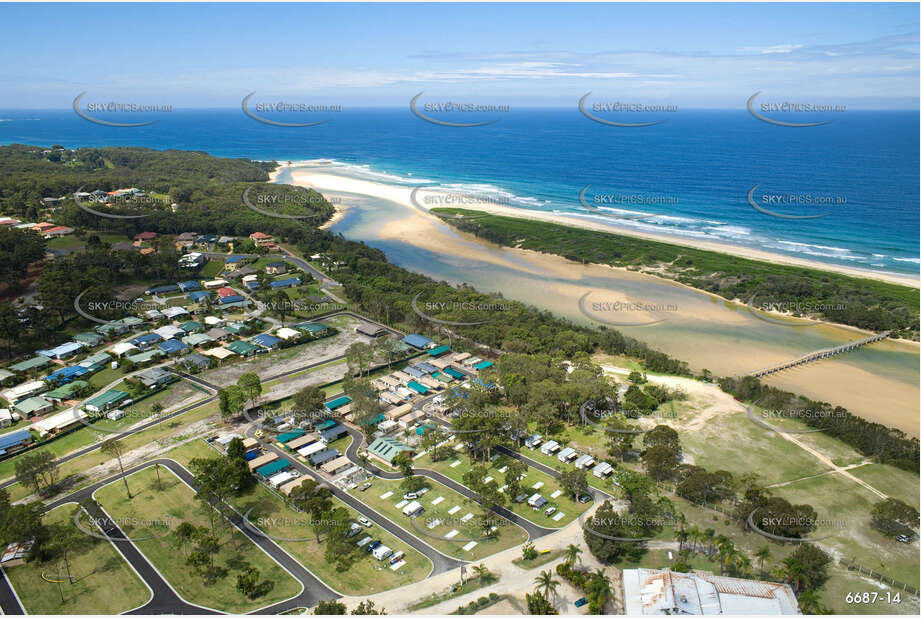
(879, 382)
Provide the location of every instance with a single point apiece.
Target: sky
(373, 55)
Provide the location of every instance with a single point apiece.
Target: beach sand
(706, 330)
(425, 199)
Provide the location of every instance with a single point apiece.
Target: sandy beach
(427, 198)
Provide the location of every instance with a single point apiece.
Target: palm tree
(694, 535)
(762, 554)
(546, 584)
(682, 536)
(599, 587)
(742, 563)
(481, 572)
(573, 555)
(794, 573)
(810, 603)
(709, 535)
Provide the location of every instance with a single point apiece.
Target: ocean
(689, 176)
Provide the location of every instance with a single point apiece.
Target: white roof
(6, 414)
(153, 313)
(169, 331)
(121, 348)
(412, 507)
(280, 479)
(287, 333)
(219, 353)
(248, 278)
(59, 420)
(23, 390)
(213, 320)
(310, 449)
(172, 312)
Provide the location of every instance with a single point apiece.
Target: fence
(862, 570)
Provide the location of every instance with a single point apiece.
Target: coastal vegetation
(800, 291)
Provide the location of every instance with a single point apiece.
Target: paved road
(165, 600)
(9, 604)
(440, 562)
(534, 531)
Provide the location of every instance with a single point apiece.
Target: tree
(67, 539)
(662, 435)
(539, 606)
(814, 563)
(114, 448)
(251, 386)
(546, 584)
(528, 552)
(810, 603)
(37, 470)
(573, 554)
(762, 554)
(366, 608)
(359, 356)
(307, 403)
(893, 517)
(330, 608)
(230, 401)
(661, 462)
(599, 591)
(248, 582)
(574, 482)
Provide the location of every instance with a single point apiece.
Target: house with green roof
(197, 339)
(33, 405)
(387, 449)
(192, 326)
(236, 327)
(31, 364)
(104, 401)
(243, 348)
(315, 329)
(110, 329)
(89, 338)
(66, 392)
(145, 357)
(96, 362)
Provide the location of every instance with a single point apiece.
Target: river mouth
(879, 382)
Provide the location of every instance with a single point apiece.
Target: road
(165, 599)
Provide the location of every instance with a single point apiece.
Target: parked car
(366, 486)
(364, 521)
(585, 498)
(903, 538)
(372, 546)
(411, 495)
(550, 511)
(581, 602)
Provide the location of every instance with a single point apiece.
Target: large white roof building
(662, 592)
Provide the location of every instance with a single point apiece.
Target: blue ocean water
(693, 172)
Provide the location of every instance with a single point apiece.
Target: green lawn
(893, 482)
(367, 576)
(106, 583)
(563, 502)
(506, 535)
(174, 502)
(211, 269)
(83, 437)
(838, 499)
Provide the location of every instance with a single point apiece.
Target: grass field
(174, 502)
(846, 506)
(563, 502)
(366, 576)
(893, 482)
(506, 535)
(161, 432)
(106, 583)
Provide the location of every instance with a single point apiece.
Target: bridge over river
(819, 355)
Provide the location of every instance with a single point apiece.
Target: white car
(364, 521)
(410, 495)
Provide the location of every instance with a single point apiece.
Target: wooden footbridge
(819, 355)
